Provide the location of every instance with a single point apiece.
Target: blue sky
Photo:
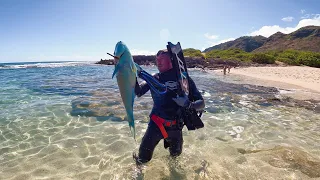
(83, 30)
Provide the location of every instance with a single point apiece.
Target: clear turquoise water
(65, 121)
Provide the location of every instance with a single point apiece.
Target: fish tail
(133, 131)
(131, 124)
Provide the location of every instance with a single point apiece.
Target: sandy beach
(302, 82)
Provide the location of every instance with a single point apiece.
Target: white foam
(215, 117)
(244, 96)
(244, 102)
(238, 129)
(45, 65)
(284, 91)
(238, 138)
(206, 94)
(231, 133)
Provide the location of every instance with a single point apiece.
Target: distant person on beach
(229, 67)
(224, 69)
(162, 124)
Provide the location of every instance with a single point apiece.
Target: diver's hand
(139, 73)
(139, 70)
(115, 60)
(182, 101)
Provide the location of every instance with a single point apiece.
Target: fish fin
(133, 96)
(133, 68)
(132, 123)
(116, 69)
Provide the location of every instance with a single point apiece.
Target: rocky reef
(192, 62)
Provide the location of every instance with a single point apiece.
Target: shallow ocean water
(65, 121)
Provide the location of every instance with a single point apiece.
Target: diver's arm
(184, 101)
(198, 104)
(194, 101)
(141, 89)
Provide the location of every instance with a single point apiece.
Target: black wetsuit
(165, 108)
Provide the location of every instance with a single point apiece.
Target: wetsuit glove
(182, 101)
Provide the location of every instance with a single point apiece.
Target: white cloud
(141, 52)
(306, 16)
(315, 21)
(302, 11)
(310, 16)
(287, 19)
(164, 34)
(269, 30)
(207, 35)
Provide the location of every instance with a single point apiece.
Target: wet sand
(301, 82)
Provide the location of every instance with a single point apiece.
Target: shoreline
(298, 82)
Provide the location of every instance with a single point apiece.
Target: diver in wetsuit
(163, 123)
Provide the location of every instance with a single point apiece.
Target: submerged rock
(288, 157)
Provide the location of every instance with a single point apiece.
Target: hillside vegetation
(290, 57)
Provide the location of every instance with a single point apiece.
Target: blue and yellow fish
(126, 73)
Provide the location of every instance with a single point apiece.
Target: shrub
(263, 58)
(235, 54)
(291, 57)
(193, 53)
(309, 59)
(288, 61)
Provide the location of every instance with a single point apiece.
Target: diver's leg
(149, 141)
(176, 143)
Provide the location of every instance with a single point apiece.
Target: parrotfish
(126, 73)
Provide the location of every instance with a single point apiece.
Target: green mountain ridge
(246, 43)
(305, 39)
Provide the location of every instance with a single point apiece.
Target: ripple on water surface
(69, 124)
